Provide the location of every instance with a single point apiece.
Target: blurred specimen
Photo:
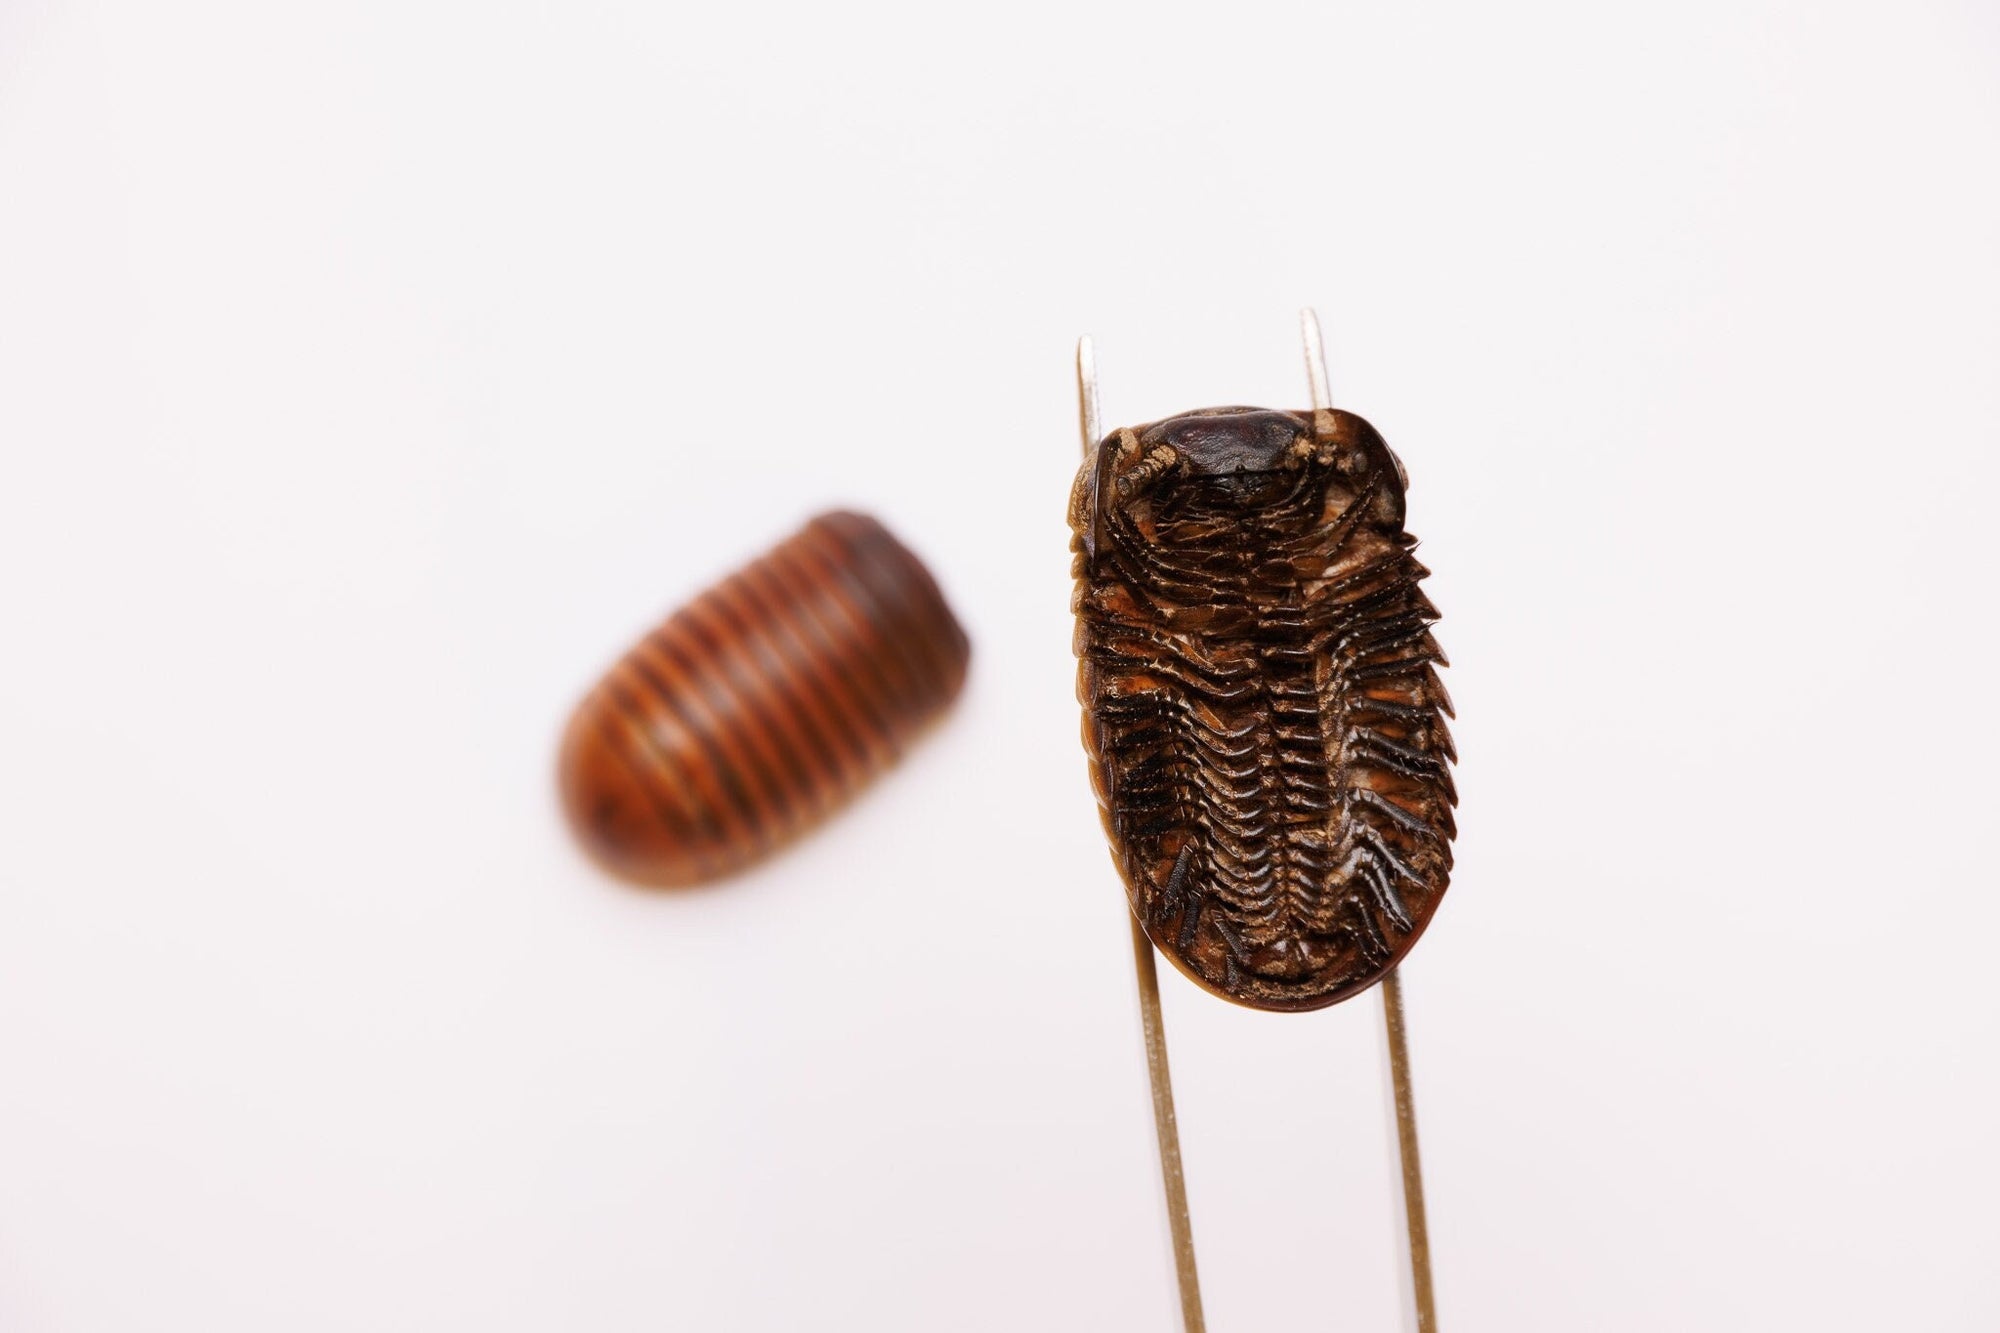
(762, 706)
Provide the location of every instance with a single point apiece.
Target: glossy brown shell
(1264, 720)
(761, 706)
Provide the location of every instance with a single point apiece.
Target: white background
(372, 373)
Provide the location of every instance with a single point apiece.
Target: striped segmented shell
(762, 706)
(1264, 720)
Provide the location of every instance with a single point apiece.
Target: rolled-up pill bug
(762, 706)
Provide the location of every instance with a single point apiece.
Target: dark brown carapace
(1265, 724)
(761, 706)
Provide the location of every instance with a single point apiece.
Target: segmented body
(762, 706)
(1264, 719)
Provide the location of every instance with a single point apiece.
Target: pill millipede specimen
(762, 706)
(1264, 720)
